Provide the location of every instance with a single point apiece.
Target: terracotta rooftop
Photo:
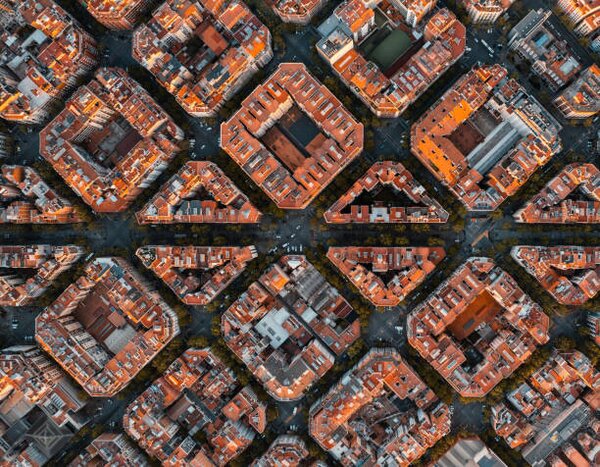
(406, 268)
(27, 199)
(477, 327)
(379, 413)
(202, 51)
(285, 451)
(44, 52)
(104, 328)
(571, 274)
(199, 193)
(382, 175)
(196, 391)
(216, 268)
(581, 99)
(389, 88)
(486, 11)
(292, 136)
(289, 326)
(556, 203)
(111, 141)
(47, 262)
(110, 450)
(297, 11)
(584, 14)
(117, 14)
(485, 137)
(553, 416)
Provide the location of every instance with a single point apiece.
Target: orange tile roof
(218, 267)
(27, 199)
(555, 205)
(178, 201)
(111, 119)
(289, 326)
(47, 262)
(468, 139)
(388, 174)
(361, 265)
(388, 93)
(571, 274)
(582, 98)
(560, 397)
(285, 451)
(292, 175)
(42, 69)
(111, 449)
(203, 80)
(117, 14)
(357, 401)
(296, 11)
(196, 390)
(479, 297)
(104, 328)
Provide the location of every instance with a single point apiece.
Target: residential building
(486, 11)
(202, 51)
(217, 268)
(549, 55)
(289, 326)
(477, 327)
(485, 137)
(7, 144)
(386, 275)
(111, 141)
(583, 14)
(47, 263)
(43, 54)
(391, 62)
(285, 451)
(27, 199)
(563, 199)
(199, 193)
(195, 413)
(117, 14)
(469, 452)
(104, 328)
(571, 274)
(581, 99)
(379, 413)
(40, 410)
(373, 206)
(593, 322)
(297, 11)
(552, 418)
(110, 450)
(292, 136)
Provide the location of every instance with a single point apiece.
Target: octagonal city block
(289, 326)
(195, 413)
(380, 53)
(44, 54)
(485, 137)
(477, 327)
(104, 328)
(202, 51)
(111, 141)
(379, 413)
(292, 136)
